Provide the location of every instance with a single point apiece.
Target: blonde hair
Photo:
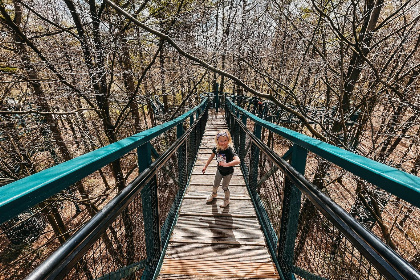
(220, 134)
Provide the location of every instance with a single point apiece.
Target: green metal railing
(313, 233)
(128, 236)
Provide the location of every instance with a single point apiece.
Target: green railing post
(216, 95)
(144, 156)
(235, 136)
(244, 119)
(181, 158)
(150, 212)
(255, 154)
(191, 151)
(151, 226)
(227, 114)
(290, 215)
(242, 139)
(257, 130)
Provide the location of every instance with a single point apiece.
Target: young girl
(226, 159)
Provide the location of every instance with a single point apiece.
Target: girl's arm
(208, 162)
(234, 162)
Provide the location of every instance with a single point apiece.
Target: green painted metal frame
(197, 140)
(19, 196)
(395, 181)
(68, 254)
(216, 96)
(124, 272)
(290, 210)
(250, 177)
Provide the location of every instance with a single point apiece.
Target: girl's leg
(225, 187)
(216, 184)
(217, 179)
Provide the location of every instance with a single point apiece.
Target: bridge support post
(242, 139)
(290, 215)
(227, 115)
(191, 152)
(255, 154)
(182, 169)
(144, 156)
(216, 96)
(235, 136)
(151, 227)
(150, 205)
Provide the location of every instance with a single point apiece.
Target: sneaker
(225, 203)
(211, 197)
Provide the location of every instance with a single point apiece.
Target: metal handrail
(25, 193)
(397, 182)
(66, 256)
(385, 260)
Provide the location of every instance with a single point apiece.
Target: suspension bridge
(212, 241)
(279, 225)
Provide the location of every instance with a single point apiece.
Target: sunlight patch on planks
(229, 269)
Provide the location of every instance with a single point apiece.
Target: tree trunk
(357, 61)
(162, 79)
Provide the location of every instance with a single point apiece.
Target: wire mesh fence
(117, 244)
(306, 241)
(119, 251)
(395, 221)
(322, 249)
(29, 238)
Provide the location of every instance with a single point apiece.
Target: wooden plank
(204, 190)
(210, 178)
(206, 148)
(201, 162)
(217, 215)
(210, 183)
(216, 234)
(242, 225)
(225, 252)
(209, 221)
(241, 207)
(205, 241)
(203, 194)
(211, 170)
(216, 268)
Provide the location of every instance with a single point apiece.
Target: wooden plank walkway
(210, 242)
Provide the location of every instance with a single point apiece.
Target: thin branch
(216, 70)
(188, 95)
(44, 113)
(9, 22)
(67, 30)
